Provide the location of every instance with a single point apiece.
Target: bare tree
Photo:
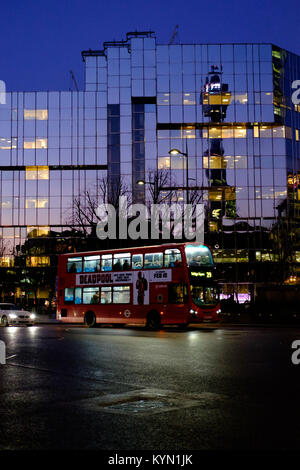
(163, 190)
(85, 205)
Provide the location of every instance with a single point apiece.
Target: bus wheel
(90, 319)
(153, 320)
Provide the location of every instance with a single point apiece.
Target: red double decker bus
(153, 286)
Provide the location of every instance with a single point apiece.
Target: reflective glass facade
(227, 105)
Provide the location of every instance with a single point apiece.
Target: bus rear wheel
(90, 319)
(153, 320)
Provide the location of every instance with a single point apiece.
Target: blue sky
(42, 40)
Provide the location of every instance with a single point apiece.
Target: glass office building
(228, 106)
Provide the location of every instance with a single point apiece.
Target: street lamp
(153, 183)
(183, 154)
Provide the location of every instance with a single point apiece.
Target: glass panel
(106, 295)
(91, 295)
(106, 263)
(137, 261)
(78, 295)
(198, 255)
(69, 295)
(177, 293)
(121, 262)
(172, 258)
(37, 173)
(74, 265)
(91, 264)
(121, 295)
(39, 114)
(153, 260)
(204, 295)
(35, 144)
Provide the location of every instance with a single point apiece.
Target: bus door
(177, 301)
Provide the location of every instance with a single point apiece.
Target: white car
(10, 314)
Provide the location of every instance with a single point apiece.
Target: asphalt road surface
(68, 387)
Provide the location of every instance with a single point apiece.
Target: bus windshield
(204, 295)
(198, 255)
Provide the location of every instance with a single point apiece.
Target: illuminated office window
(214, 162)
(164, 163)
(226, 132)
(41, 231)
(36, 144)
(6, 261)
(37, 173)
(297, 135)
(7, 144)
(188, 132)
(240, 132)
(37, 203)
(37, 261)
(189, 98)
(38, 114)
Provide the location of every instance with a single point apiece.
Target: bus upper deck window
(106, 263)
(137, 261)
(153, 260)
(172, 258)
(198, 255)
(121, 262)
(74, 265)
(91, 264)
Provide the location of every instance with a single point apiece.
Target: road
(68, 387)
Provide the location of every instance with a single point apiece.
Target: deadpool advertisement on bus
(141, 288)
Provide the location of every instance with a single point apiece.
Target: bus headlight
(193, 312)
(219, 311)
(32, 316)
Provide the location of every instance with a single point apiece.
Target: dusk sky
(42, 40)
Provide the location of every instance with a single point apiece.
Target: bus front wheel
(153, 320)
(90, 319)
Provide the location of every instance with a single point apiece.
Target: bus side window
(78, 295)
(90, 295)
(173, 258)
(105, 295)
(69, 295)
(91, 264)
(153, 260)
(106, 263)
(74, 265)
(137, 261)
(121, 262)
(121, 294)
